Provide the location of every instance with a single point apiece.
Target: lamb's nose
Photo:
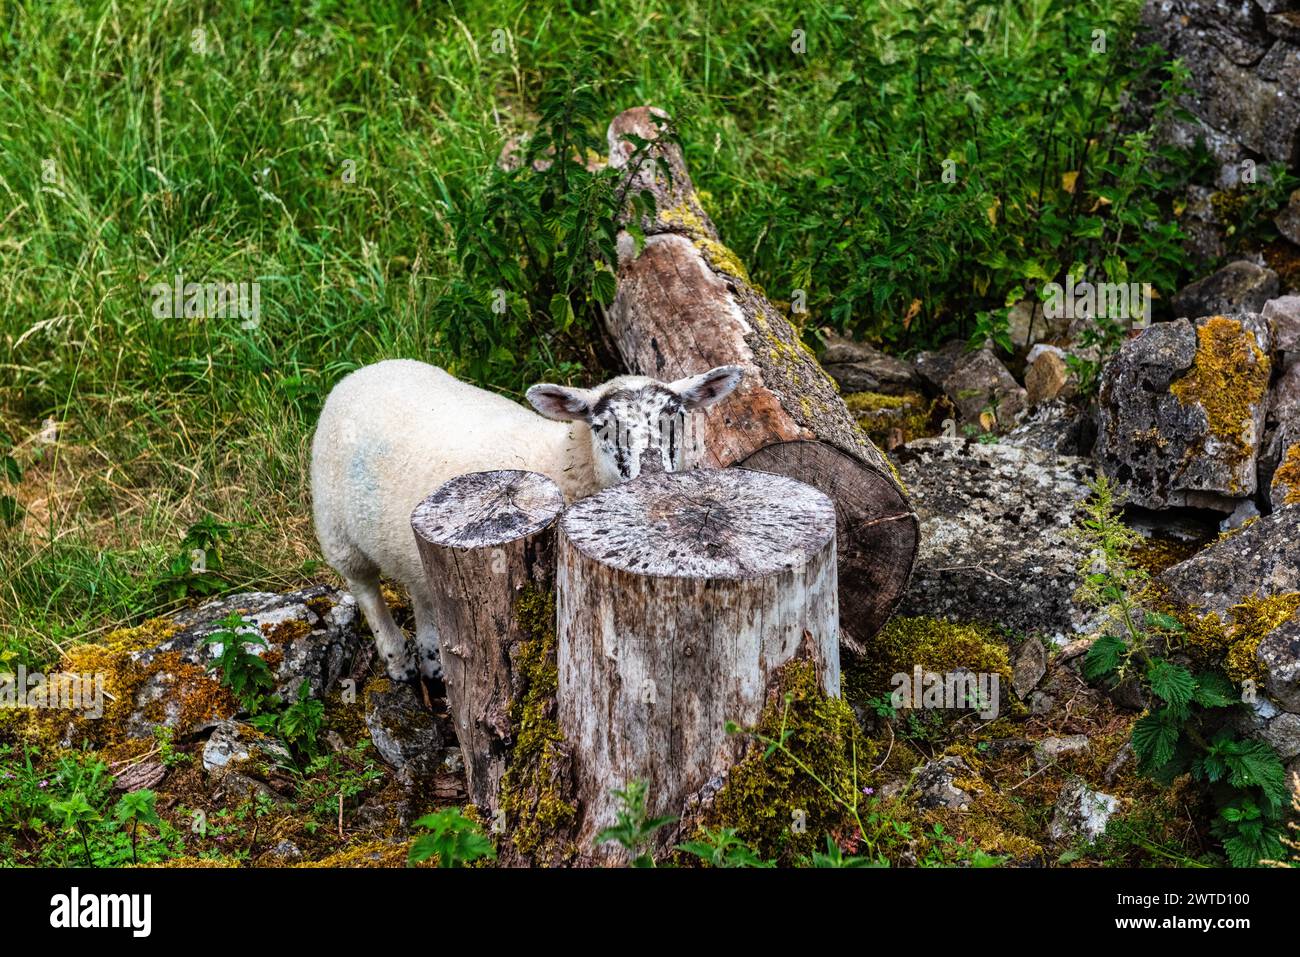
(651, 461)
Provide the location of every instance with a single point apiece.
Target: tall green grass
(145, 139)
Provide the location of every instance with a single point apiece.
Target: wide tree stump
(483, 538)
(678, 598)
(685, 303)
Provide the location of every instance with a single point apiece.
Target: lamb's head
(637, 423)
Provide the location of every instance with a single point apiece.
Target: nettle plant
(975, 170)
(1187, 727)
(537, 247)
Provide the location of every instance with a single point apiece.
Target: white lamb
(392, 432)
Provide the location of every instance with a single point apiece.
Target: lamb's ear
(559, 402)
(703, 390)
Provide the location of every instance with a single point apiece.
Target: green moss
(533, 788)
(933, 644)
(906, 416)
(1228, 380)
(1287, 476)
(765, 795)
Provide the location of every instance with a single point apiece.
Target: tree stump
(483, 538)
(678, 597)
(685, 303)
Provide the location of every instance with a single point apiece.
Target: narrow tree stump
(685, 303)
(678, 597)
(484, 537)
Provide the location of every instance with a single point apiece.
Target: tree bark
(678, 598)
(685, 303)
(483, 538)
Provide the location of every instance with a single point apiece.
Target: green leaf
(1155, 740)
(1104, 657)
(1172, 683)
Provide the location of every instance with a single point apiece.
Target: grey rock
(405, 733)
(979, 381)
(1161, 451)
(1260, 559)
(1245, 511)
(1081, 813)
(1279, 653)
(1030, 666)
(935, 788)
(314, 629)
(1041, 703)
(1283, 733)
(1283, 318)
(286, 850)
(1288, 220)
(1055, 427)
(859, 367)
(232, 745)
(995, 534)
(1050, 750)
(1241, 286)
(933, 367)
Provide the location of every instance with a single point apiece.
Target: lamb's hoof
(431, 668)
(403, 669)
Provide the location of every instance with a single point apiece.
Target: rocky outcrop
(1238, 287)
(995, 542)
(1260, 559)
(1256, 564)
(1181, 412)
(859, 367)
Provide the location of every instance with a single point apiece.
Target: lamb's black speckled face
(637, 423)
(635, 429)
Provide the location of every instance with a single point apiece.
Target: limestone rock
(859, 367)
(405, 733)
(935, 787)
(1181, 413)
(1260, 559)
(1050, 750)
(1241, 286)
(980, 382)
(1288, 221)
(1283, 318)
(1081, 813)
(311, 635)
(995, 542)
(1056, 427)
(1030, 666)
(1279, 653)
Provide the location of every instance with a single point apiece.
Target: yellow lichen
(1228, 381)
(1287, 476)
(1232, 644)
(719, 256)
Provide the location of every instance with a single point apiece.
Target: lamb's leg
(426, 635)
(389, 639)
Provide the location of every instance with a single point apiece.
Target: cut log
(483, 538)
(678, 598)
(684, 304)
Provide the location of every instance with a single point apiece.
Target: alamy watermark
(208, 300)
(1129, 301)
(62, 690)
(962, 690)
